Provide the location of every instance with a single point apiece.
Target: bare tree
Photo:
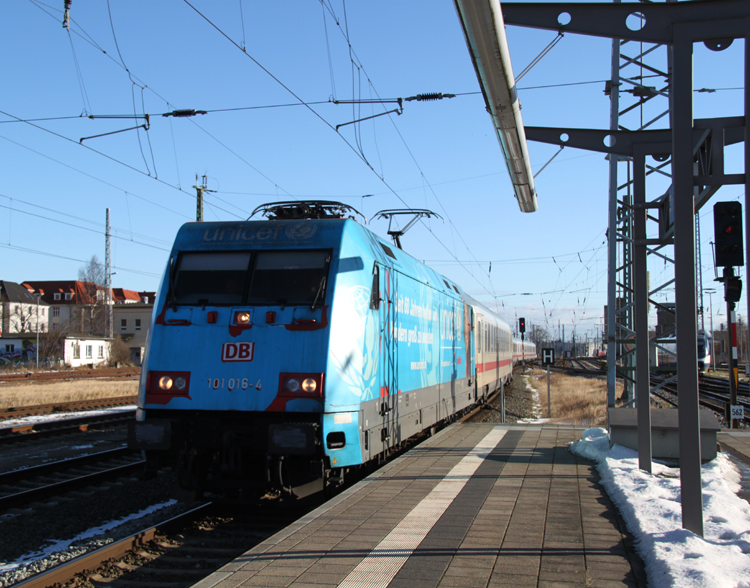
(22, 319)
(93, 309)
(93, 272)
(51, 344)
(539, 335)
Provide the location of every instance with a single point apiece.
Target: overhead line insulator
(184, 112)
(429, 96)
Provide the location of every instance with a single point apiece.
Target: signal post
(730, 253)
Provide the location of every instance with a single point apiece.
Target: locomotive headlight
(292, 385)
(159, 384)
(241, 317)
(301, 385)
(309, 385)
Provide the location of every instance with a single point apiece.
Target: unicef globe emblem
(301, 231)
(360, 297)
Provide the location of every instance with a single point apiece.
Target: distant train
(283, 352)
(667, 352)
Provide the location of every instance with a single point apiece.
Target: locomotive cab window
(288, 278)
(210, 278)
(265, 278)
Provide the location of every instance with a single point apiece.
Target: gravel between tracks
(26, 531)
(519, 404)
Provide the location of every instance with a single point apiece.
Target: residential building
(75, 306)
(85, 351)
(131, 323)
(20, 310)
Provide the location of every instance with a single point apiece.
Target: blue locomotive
(283, 352)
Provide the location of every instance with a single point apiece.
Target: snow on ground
(58, 551)
(61, 416)
(650, 505)
(536, 406)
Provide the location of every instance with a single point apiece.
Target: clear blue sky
(154, 57)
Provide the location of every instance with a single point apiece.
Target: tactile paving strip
(383, 563)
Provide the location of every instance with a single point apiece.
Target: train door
(387, 366)
(469, 357)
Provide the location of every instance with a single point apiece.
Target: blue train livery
(284, 352)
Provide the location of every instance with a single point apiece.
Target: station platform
(477, 505)
(736, 442)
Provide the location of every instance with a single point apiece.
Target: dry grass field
(576, 400)
(30, 394)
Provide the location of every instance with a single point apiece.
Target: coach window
(288, 278)
(205, 279)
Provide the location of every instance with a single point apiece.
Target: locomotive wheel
(191, 471)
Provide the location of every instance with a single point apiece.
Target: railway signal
(728, 234)
(730, 253)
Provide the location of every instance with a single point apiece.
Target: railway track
(28, 431)
(13, 378)
(168, 554)
(21, 487)
(714, 392)
(177, 552)
(14, 412)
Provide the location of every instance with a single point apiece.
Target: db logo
(237, 352)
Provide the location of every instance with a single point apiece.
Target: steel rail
(42, 492)
(50, 428)
(66, 571)
(73, 406)
(63, 464)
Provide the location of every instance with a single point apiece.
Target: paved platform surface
(477, 505)
(736, 443)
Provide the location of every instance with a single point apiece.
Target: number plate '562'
(237, 351)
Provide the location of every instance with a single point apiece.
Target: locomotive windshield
(266, 278)
(289, 278)
(210, 278)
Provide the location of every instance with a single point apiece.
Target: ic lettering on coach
(237, 352)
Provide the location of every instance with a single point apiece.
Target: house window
(137, 324)
(55, 311)
(76, 351)
(89, 351)
(123, 324)
(57, 296)
(54, 326)
(101, 351)
(9, 347)
(68, 296)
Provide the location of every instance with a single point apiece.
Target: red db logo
(237, 352)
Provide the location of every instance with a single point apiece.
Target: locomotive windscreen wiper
(319, 293)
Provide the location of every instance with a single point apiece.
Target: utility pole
(108, 278)
(199, 197)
